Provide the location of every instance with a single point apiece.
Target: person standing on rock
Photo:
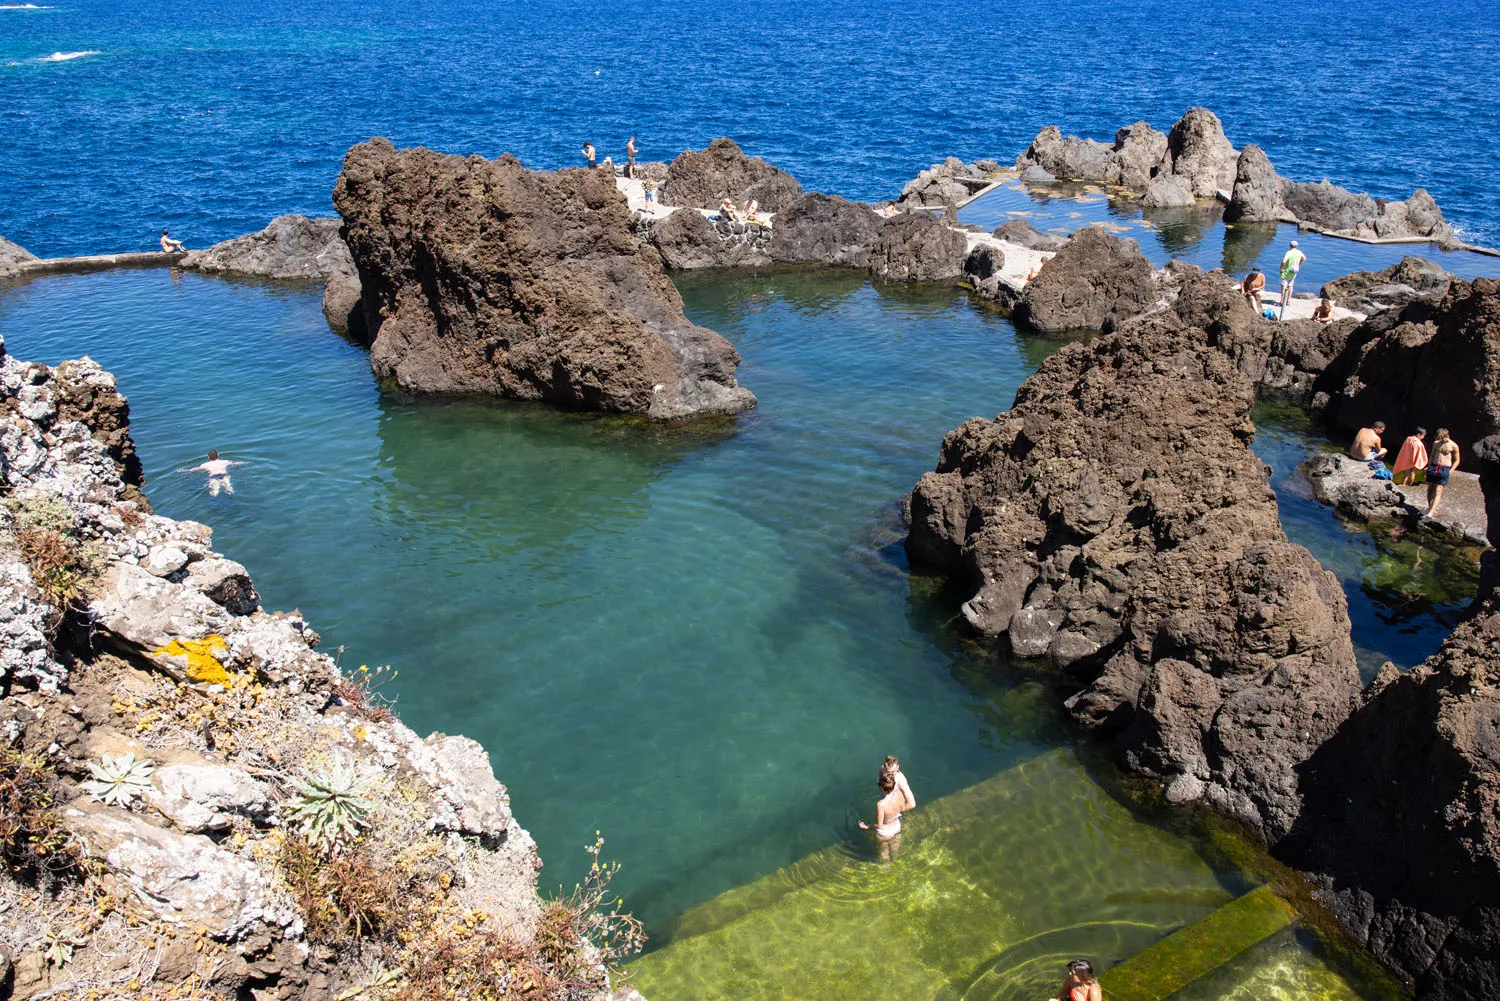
(588, 155)
(630, 157)
(1440, 469)
(1291, 263)
(218, 473)
(1367, 446)
(169, 245)
(1412, 457)
(1253, 285)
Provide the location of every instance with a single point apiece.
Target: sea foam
(62, 57)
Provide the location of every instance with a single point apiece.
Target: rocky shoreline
(166, 742)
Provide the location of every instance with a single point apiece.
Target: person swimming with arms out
(218, 473)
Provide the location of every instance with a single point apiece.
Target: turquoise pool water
(699, 639)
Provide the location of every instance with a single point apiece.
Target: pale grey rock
(142, 612)
(164, 561)
(25, 656)
(291, 246)
(459, 770)
(1037, 174)
(12, 254)
(183, 879)
(206, 797)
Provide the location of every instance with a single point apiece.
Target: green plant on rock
(63, 566)
(329, 805)
(119, 779)
(33, 841)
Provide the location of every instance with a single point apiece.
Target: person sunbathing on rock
(747, 211)
(1367, 444)
(726, 210)
(218, 473)
(169, 245)
(1324, 312)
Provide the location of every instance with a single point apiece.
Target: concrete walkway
(95, 262)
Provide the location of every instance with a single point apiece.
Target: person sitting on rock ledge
(748, 210)
(1253, 285)
(726, 210)
(1367, 446)
(1324, 311)
(169, 245)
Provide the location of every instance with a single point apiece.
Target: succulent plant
(330, 804)
(119, 779)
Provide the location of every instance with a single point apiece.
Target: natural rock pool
(698, 639)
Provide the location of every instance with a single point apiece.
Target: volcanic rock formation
(11, 253)
(480, 276)
(291, 246)
(1399, 285)
(702, 178)
(1115, 523)
(1256, 196)
(1095, 281)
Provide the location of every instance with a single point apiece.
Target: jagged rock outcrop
(703, 178)
(917, 248)
(1138, 153)
(230, 706)
(480, 276)
(1437, 366)
(688, 241)
(1202, 153)
(1022, 232)
(1399, 285)
(1115, 522)
(291, 246)
(1329, 207)
(1095, 282)
(939, 184)
(1350, 486)
(1257, 190)
(11, 253)
(1401, 819)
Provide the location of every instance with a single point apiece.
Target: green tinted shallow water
(699, 639)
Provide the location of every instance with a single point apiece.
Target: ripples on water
(212, 124)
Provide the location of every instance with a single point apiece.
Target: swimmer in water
(218, 473)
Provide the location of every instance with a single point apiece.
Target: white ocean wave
(24, 6)
(62, 57)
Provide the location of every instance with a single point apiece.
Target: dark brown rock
(825, 229)
(688, 241)
(85, 392)
(703, 178)
(1095, 281)
(341, 295)
(1117, 516)
(1071, 157)
(1434, 366)
(1401, 820)
(1390, 288)
(1140, 153)
(1329, 207)
(480, 276)
(915, 247)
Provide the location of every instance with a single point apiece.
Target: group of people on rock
(1438, 465)
(745, 213)
(1080, 983)
(590, 156)
(1291, 265)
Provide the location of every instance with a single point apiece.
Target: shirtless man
(1439, 468)
(1251, 288)
(169, 245)
(218, 473)
(1367, 444)
(1324, 311)
(630, 157)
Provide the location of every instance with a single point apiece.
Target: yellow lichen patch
(202, 656)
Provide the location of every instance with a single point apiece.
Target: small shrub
(588, 926)
(119, 779)
(32, 838)
(349, 895)
(330, 806)
(63, 566)
(361, 692)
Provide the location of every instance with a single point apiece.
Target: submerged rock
(1117, 520)
(703, 178)
(1022, 232)
(1095, 281)
(480, 276)
(291, 246)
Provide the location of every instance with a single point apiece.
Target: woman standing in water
(1080, 984)
(887, 816)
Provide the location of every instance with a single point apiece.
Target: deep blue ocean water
(210, 119)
